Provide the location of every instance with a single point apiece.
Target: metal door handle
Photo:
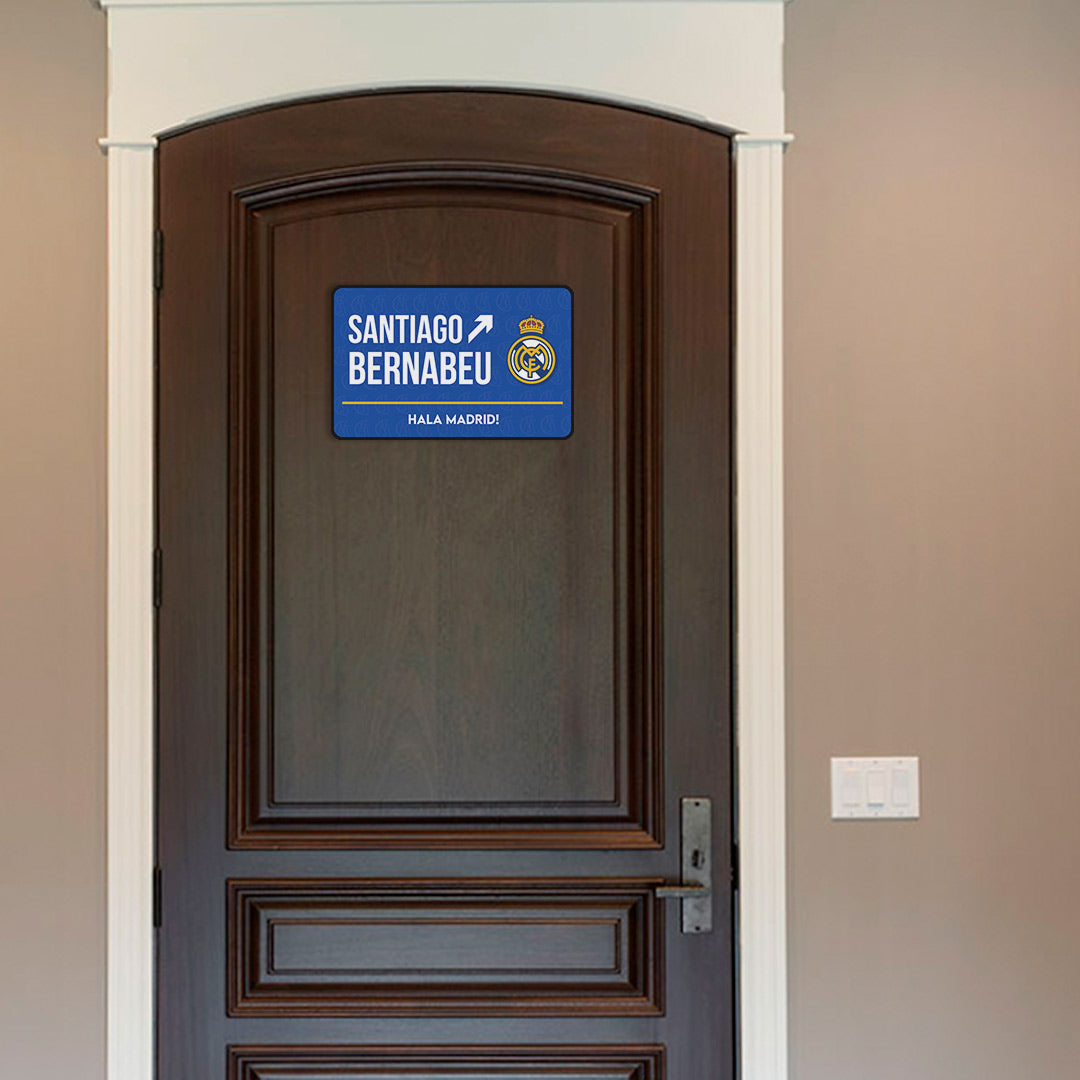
(695, 889)
(680, 892)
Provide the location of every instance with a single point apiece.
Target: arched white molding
(179, 61)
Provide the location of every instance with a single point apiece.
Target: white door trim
(148, 98)
(759, 606)
(762, 941)
(130, 674)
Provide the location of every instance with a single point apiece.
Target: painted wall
(933, 534)
(52, 540)
(933, 484)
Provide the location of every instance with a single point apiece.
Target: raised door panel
(436, 643)
(496, 947)
(447, 1063)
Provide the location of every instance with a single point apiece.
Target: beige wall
(933, 535)
(52, 540)
(933, 484)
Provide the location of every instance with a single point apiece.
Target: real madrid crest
(531, 359)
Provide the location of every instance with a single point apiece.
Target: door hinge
(157, 897)
(157, 577)
(159, 258)
(734, 867)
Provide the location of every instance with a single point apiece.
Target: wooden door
(427, 707)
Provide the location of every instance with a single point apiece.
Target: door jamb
(759, 597)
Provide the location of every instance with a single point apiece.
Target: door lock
(695, 889)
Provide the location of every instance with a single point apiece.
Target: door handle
(681, 892)
(695, 889)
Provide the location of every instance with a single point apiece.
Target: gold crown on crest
(531, 325)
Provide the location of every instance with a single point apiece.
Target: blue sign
(453, 363)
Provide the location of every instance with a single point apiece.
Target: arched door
(430, 708)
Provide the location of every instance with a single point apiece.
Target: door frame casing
(141, 106)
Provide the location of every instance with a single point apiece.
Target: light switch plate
(875, 787)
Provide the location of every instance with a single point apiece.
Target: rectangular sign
(453, 363)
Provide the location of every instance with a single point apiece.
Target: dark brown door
(427, 708)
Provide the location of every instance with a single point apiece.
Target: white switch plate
(875, 787)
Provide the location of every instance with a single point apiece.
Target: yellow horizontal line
(448, 404)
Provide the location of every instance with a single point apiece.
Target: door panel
(513, 584)
(404, 1063)
(427, 707)
(346, 947)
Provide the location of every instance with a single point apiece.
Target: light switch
(875, 787)
(901, 787)
(852, 787)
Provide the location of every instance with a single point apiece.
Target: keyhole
(697, 858)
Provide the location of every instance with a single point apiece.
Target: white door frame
(178, 61)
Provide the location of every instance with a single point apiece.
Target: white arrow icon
(483, 322)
